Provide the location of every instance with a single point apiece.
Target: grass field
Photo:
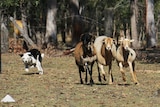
(60, 86)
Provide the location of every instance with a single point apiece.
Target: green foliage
(8, 3)
(15, 3)
(157, 8)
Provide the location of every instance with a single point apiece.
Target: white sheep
(105, 51)
(126, 57)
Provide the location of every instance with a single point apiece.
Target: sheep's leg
(122, 72)
(90, 72)
(99, 75)
(87, 70)
(134, 73)
(86, 78)
(110, 74)
(136, 81)
(102, 70)
(131, 71)
(80, 75)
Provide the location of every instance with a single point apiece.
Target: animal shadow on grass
(92, 84)
(124, 84)
(101, 84)
(31, 73)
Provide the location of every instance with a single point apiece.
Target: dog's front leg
(39, 67)
(26, 68)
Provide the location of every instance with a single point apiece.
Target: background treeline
(43, 20)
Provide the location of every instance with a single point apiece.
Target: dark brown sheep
(85, 57)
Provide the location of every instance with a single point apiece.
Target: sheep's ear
(20, 55)
(103, 41)
(132, 40)
(82, 37)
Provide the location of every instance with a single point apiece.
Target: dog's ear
(20, 55)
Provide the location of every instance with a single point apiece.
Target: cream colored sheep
(126, 57)
(105, 52)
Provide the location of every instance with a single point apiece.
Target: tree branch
(118, 4)
(23, 34)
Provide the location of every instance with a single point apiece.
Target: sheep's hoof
(110, 83)
(81, 81)
(91, 82)
(136, 83)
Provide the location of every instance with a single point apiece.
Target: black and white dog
(32, 58)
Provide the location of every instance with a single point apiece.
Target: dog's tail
(42, 55)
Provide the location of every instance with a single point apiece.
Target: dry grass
(59, 86)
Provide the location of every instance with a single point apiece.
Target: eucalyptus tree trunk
(157, 25)
(109, 22)
(24, 31)
(76, 22)
(150, 24)
(134, 8)
(51, 27)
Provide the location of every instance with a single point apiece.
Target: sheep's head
(126, 43)
(108, 43)
(88, 40)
